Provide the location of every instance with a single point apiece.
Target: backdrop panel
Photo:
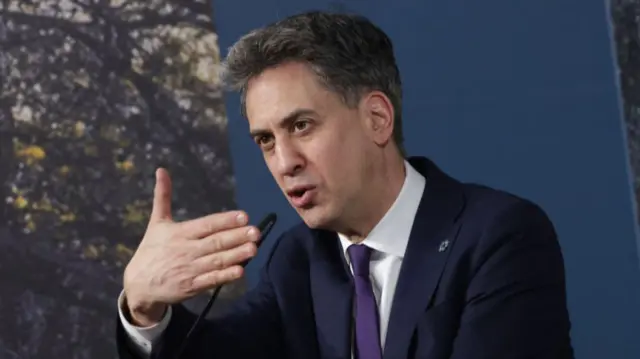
(626, 24)
(94, 95)
(520, 95)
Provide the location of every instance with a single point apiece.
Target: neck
(378, 197)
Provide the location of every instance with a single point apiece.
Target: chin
(316, 217)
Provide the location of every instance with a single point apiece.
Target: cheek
(338, 163)
(337, 152)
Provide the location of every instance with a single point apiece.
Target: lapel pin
(443, 246)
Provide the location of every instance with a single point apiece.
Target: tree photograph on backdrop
(626, 23)
(95, 95)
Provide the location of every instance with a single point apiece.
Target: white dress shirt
(388, 239)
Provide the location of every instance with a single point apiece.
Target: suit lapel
(427, 251)
(332, 296)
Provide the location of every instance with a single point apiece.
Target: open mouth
(301, 197)
(297, 193)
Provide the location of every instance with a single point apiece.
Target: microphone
(264, 227)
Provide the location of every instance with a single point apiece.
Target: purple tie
(367, 332)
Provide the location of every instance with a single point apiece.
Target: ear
(379, 115)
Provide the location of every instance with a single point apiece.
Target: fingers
(216, 278)
(161, 197)
(213, 223)
(222, 257)
(228, 239)
(221, 260)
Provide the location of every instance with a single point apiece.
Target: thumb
(161, 210)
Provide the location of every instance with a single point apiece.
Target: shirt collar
(391, 234)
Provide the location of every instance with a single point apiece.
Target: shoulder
(493, 210)
(498, 224)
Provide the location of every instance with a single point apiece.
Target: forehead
(284, 89)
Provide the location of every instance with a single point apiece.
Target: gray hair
(349, 54)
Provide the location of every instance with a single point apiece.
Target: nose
(289, 160)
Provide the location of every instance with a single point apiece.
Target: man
(395, 259)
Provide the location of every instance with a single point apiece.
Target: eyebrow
(284, 122)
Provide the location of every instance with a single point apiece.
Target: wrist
(143, 314)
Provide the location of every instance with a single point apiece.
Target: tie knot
(359, 255)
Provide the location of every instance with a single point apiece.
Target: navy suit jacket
(482, 277)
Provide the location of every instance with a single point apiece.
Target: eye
(300, 125)
(264, 141)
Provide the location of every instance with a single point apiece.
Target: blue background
(519, 95)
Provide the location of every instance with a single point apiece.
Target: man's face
(318, 149)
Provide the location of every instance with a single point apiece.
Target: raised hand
(177, 260)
